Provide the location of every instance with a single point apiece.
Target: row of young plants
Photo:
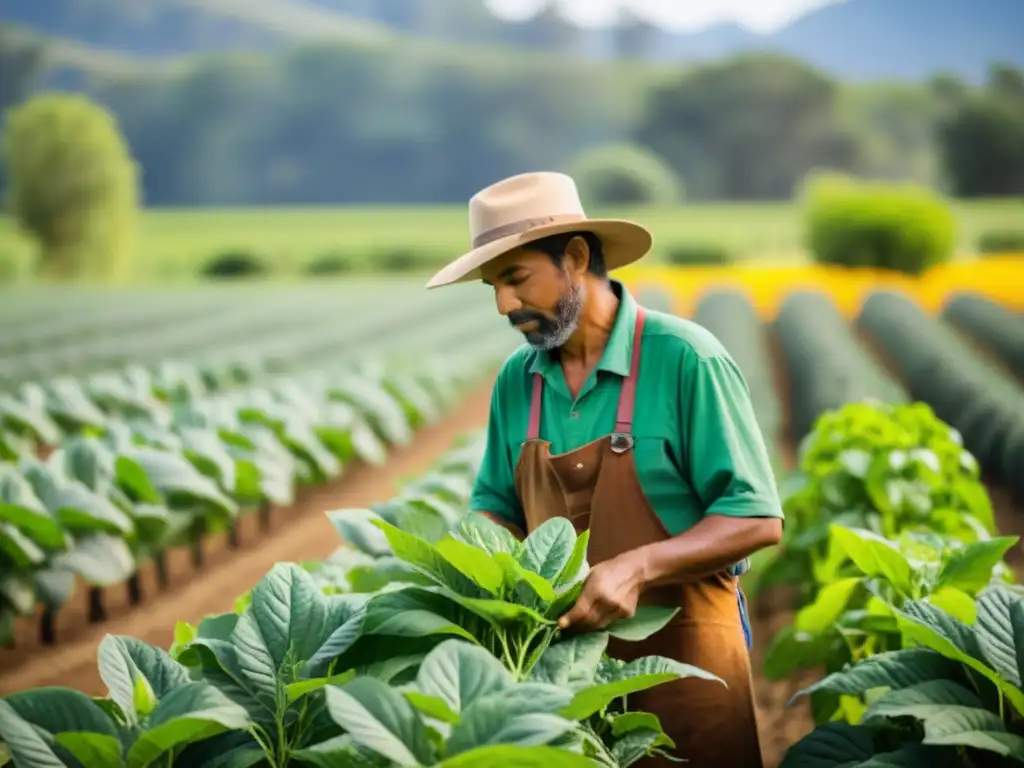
(430, 639)
(731, 317)
(995, 326)
(826, 364)
(939, 367)
(905, 603)
(138, 463)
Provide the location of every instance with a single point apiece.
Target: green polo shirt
(698, 448)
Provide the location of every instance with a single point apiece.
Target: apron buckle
(621, 442)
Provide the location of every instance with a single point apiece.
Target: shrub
(73, 185)
(398, 260)
(333, 263)
(901, 227)
(624, 174)
(1002, 241)
(697, 253)
(235, 264)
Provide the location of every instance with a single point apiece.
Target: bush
(1002, 241)
(235, 264)
(330, 264)
(624, 174)
(902, 227)
(73, 185)
(697, 253)
(398, 260)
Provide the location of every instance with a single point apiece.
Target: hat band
(523, 225)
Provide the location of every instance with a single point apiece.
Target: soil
(779, 724)
(300, 532)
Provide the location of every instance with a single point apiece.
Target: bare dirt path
(306, 534)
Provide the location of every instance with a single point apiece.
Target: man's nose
(506, 300)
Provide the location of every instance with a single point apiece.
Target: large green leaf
(27, 745)
(122, 660)
(355, 527)
(100, 560)
(894, 669)
(924, 625)
(995, 631)
(424, 557)
(180, 482)
(458, 673)
(60, 710)
(549, 548)
(571, 661)
(382, 720)
(970, 568)
(505, 755)
(841, 745)
(647, 620)
(189, 713)
(875, 556)
(20, 507)
(828, 604)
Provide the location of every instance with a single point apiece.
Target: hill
(855, 39)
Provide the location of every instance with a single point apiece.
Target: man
(637, 426)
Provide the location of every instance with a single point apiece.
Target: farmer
(637, 426)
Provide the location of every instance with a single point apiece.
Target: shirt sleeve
(729, 464)
(494, 490)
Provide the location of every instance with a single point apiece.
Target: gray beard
(551, 334)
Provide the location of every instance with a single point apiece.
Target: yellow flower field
(1000, 278)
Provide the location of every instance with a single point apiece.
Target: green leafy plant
(864, 582)
(882, 468)
(152, 714)
(952, 696)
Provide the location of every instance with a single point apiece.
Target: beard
(553, 331)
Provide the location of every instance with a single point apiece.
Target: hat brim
(622, 243)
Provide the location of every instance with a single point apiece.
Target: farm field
(173, 244)
(361, 391)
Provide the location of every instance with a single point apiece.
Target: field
(185, 445)
(173, 245)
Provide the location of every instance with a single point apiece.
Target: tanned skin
(525, 279)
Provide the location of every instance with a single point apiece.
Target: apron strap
(533, 431)
(627, 397)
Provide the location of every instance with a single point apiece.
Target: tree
(624, 174)
(981, 135)
(73, 185)
(748, 128)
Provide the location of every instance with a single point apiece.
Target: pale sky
(760, 15)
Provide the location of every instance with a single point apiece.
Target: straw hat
(531, 206)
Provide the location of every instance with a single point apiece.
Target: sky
(759, 15)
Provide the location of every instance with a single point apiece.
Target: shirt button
(574, 414)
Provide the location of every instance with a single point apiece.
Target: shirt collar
(618, 352)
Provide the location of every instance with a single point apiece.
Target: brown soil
(301, 532)
(779, 724)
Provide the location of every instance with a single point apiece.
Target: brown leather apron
(597, 487)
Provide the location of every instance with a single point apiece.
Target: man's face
(540, 299)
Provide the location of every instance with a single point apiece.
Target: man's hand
(610, 593)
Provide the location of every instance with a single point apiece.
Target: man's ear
(577, 256)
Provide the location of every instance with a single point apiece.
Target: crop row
(996, 327)
(731, 318)
(136, 472)
(440, 648)
(940, 368)
(827, 365)
(291, 326)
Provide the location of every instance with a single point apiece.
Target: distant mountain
(855, 39)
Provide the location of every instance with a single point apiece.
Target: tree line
(371, 124)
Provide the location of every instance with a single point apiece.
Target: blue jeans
(738, 570)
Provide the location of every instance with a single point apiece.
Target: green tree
(73, 185)
(980, 135)
(748, 128)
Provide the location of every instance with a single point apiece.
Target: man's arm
(731, 473)
(494, 492)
